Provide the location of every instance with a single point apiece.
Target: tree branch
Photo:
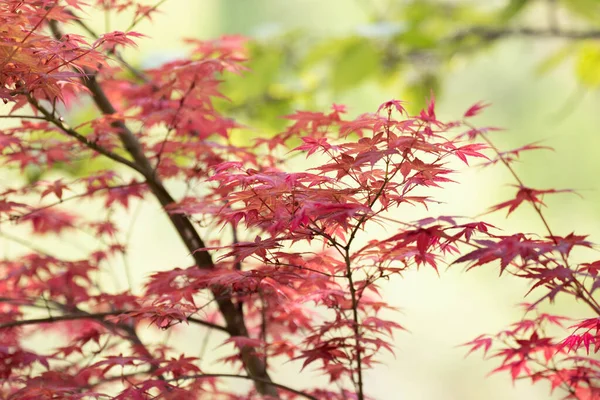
(486, 35)
(492, 34)
(74, 197)
(96, 316)
(79, 137)
(234, 318)
(205, 376)
(44, 118)
(49, 320)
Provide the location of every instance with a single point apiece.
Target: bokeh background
(308, 54)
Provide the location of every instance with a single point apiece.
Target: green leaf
(554, 60)
(586, 9)
(587, 67)
(265, 67)
(33, 173)
(419, 91)
(320, 52)
(417, 39)
(358, 61)
(512, 9)
(83, 168)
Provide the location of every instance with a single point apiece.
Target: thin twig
(492, 34)
(140, 18)
(136, 72)
(279, 385)
(24, 117)
(59, 123)
(583, 293)
(97, 316)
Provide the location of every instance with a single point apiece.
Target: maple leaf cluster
(288, 278)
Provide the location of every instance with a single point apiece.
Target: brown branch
(208, 324)
(206, 376)
(129, 330)
(486, 35)
(492, 34)
(202, 376)
(49, 320)
(234, 318)
(97, 316)
(44, 118)
(66, 199)
(48, 116)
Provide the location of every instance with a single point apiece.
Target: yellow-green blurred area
(308, 54)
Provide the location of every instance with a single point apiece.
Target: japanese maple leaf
(525, 194)
(119, 361)
(49, 220)
(311, 145)
(475, 109)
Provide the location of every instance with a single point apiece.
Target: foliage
(294, 283)
(409, 48)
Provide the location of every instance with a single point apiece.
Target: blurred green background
(308, 54)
